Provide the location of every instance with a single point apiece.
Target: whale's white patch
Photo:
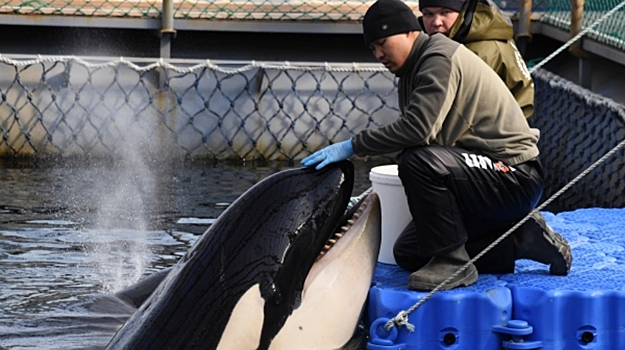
(243, 329)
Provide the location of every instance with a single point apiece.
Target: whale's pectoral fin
(137, 293)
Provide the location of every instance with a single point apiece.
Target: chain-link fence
(69, 106)
(253, 110)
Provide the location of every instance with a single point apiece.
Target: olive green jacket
(450, 97)
(491, 38)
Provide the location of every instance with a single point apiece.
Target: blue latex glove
(331, 154)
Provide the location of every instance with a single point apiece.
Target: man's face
(439, 19)
(393, 51)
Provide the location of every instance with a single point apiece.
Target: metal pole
(577, 21)
(167, 28)
(524, 34)
(584, 64)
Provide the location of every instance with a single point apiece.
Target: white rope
(162, 63)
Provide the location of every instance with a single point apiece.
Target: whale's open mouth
(349, 220)
(357, 229)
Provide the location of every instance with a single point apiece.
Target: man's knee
(405, 250)
(408, 260)
(422, 162)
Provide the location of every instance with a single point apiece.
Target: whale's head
(285, 266)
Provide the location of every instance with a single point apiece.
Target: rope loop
(400, 320)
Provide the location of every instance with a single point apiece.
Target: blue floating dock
(529, 309)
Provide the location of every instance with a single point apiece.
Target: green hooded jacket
(491, 38)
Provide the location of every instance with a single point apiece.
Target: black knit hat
(388, 17)
(455, 5)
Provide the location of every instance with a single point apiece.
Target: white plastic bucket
(395, 214)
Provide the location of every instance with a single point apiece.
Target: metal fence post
(577, 23)
(524, 34)
(167, 28)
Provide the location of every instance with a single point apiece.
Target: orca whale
(284, 267)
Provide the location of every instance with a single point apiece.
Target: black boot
(535, 240)
(440, 267)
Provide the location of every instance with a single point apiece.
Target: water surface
(73, 232)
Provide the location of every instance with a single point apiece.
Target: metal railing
(564, 14)
(341, 10)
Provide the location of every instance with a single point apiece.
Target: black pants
(461, 197)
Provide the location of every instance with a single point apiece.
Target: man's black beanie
(455, 5)
(388, 17)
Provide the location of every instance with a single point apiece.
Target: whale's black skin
(137, 293)
(270, 236)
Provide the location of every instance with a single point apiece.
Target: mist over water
(121, 223)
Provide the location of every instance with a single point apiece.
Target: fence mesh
(577, 128)
(67, 106)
